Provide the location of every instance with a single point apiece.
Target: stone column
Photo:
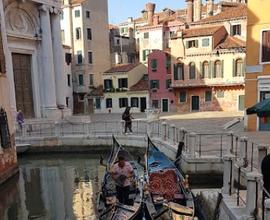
(58, 57)
(191, 144)
(267, 209)
(49, 102)
(228, 175)
(252, 181)
(262, 152)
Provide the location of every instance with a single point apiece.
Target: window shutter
(196, 43)
(201, 70)
(222, 68)
(244, 68)
(233, 68)
(175, 71)
(187, 45)
(144, 55)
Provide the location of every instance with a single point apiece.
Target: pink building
(159, 74)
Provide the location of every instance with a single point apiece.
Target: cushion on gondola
(155, 180)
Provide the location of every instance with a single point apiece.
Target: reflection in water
(52, 188)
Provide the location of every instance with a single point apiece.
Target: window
(62, 15)
(217, 69)
(236, 29)
(205, 42)
(145, 54)
(220, 94)
(183, 96)
(124, 30)
(146, 35)
(81, 97)
(87, 14)
(108, 84)
(63, 35)
(265, 46)
(68, 58)
(123, 83)
(179, 71)
(91, 79)
(79, 57)
(154, 64)
(109, 103)
(77, 13)
(90, 57)
(98, 103)
(67, 101)
(134, 102)
(192, 43)
(168, 83)
(172, 34)
(80, 79)
(192, 71)
(155, 104)
(239, 70)
(68, 80)
(154, 84)
(89, 34)
(208, 96)
(78, 33)
(205, 69)
(123, 102)
(118, 42)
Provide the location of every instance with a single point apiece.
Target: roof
(122, 68)
(229, 13)
(231, 43)
(197, 32)
(142, 85)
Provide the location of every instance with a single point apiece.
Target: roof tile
(121, 68)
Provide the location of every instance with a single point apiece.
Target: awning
(262, 109)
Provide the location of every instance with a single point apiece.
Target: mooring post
(262, 152)
(267, 209)
(228, 175)
(253, 179)
(243, 150)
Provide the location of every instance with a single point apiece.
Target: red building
(159, 74)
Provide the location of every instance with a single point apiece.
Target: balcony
(206, 82)
(112, 90)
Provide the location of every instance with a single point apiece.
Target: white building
(35, 58)
(84, 27)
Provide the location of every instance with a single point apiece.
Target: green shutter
(154, 64)
(222, 69)
(144, 55)
(233, 68)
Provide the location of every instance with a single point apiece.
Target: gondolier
(122, 172)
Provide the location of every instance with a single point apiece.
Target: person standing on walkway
(127, 117)
(122, 173)
(20, 119)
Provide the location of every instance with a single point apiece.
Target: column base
(56, 113)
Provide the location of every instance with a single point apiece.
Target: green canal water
(52, 187)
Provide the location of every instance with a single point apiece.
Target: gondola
(108, 206)
(167, 196)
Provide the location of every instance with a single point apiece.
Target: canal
(57, 187)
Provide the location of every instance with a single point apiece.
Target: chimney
(150, 8)
(219, 8)
(189, 11)
(210, 7)
(197, 5)
(156, 20)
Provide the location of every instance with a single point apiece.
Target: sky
(120, 10)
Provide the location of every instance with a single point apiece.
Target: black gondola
(167, 196)
(108, 206)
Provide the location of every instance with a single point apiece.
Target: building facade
(35, 58)
(84, 27)
(258, 62)
(159, 74)
(124, 85)
(8, 156)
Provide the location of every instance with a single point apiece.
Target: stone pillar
(164, 130)
(49, 102)
(262, 152)
(228, 175)
(267, 209)
(58, 56)
(243, 150)
(189, 16)
(191, 144)
(252, 183)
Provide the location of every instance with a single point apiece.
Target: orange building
(258, 61)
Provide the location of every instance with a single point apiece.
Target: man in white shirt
(122, 172)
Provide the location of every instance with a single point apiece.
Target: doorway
(23, 83)
(195, 103)
(165, 105)
(143, 104)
